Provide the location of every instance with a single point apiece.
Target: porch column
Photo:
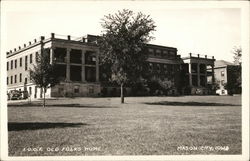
(97, 66)
(213, 80)
(205, 75)
(83, 66)
(190, 74)
(68, 65)
(198, 74)
(52, 55)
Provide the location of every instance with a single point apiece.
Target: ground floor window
(35, 95)
(76, 89)
(30, 91)
(91, 90)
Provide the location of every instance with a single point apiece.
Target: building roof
(221, 63)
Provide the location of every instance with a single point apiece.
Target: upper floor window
(26, 62)
(20, 62)
(36, 56)
(90, 57)
(16, 63)
(30, 58)
(7, 66)
(7, 80)
(158, 52)
(11, 64)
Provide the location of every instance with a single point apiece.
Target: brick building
(78, 64)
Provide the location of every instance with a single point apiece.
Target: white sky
(190, 27)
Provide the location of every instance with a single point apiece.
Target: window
(11, 64)
(30, 91)
(165, 68)
(21, 62)
(16, 63)
(158, 68)
(90, 57)
(222, 91)
(35, 95)
(15, 78)
(7, 80)
(11, 79)
(222, 73)
(26, 81)
(76, 89)
(150, 66)
(36, 56)
(222, 82)
(26, 62)
(158, 52)
(91, 89)
(7, 66)
(30, 58)
(20, 77)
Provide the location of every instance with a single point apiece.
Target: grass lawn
(141, 126)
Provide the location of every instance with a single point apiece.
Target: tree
(43, 73)
(233, 84)
(237, 51)
(122, 44)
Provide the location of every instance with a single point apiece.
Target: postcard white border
(243, 5)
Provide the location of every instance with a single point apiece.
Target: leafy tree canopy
(123, 40)
(237, 51)
(43, 73)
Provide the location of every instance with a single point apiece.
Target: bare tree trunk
(44, 97)
(122, 96)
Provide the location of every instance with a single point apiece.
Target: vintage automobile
(17, 95)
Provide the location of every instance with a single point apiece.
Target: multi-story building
(78, 65)
(224, 73)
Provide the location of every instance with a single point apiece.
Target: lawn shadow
(19, 126)
(74, 105)
(168, 103)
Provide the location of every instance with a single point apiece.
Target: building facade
(225, 72)
(78, 65)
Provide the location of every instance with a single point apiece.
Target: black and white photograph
(125, 80)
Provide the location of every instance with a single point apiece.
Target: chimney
(29, 43)
(19, 47)
(14, 49)
(68, 37)
(213, 57)
(190, 54)
(198, 55)
(83, 39)
(52, 35)
(24, 45)
(34, 40)
(42, 38)
(7, 53)
(10, 51)
(206, 56)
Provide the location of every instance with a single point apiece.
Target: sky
(190, 27)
